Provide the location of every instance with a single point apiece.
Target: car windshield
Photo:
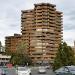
(72, 68)
(22, 69)
(60, 69)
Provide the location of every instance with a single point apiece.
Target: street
(48, 72)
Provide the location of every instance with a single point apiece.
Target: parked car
(2, 71)
(66, 70)
(23, 71)
(42, 69)
(47, 67)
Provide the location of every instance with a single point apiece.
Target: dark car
(66, 70)
(3, 70)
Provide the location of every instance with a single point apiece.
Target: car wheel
(30, 74)
(57, 74)
(3, 74)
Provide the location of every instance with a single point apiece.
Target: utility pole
(0, 46)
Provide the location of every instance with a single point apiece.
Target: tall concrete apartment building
(11, 42)
(41, 29)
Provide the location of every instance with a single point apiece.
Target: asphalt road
(48, 72)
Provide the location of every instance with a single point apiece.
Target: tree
(22, 48)
(21, 56)
(64, 56)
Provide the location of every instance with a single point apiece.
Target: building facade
(4, 59)
(41, 29)
(11, 42)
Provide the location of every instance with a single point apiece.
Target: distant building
(4, 59)
(42, 31)
(11, 42)
(2, 48)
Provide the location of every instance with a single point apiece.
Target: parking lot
(34, 71)
(48, 72)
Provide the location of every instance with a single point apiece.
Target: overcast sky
(10, 14)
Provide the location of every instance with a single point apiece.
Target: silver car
(66, 70)
(23, 71)
(42, 69)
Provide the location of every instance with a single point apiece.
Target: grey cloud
(69, 36)
(69, 27)
(72, 18)
(10, 13)
(71, 15)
